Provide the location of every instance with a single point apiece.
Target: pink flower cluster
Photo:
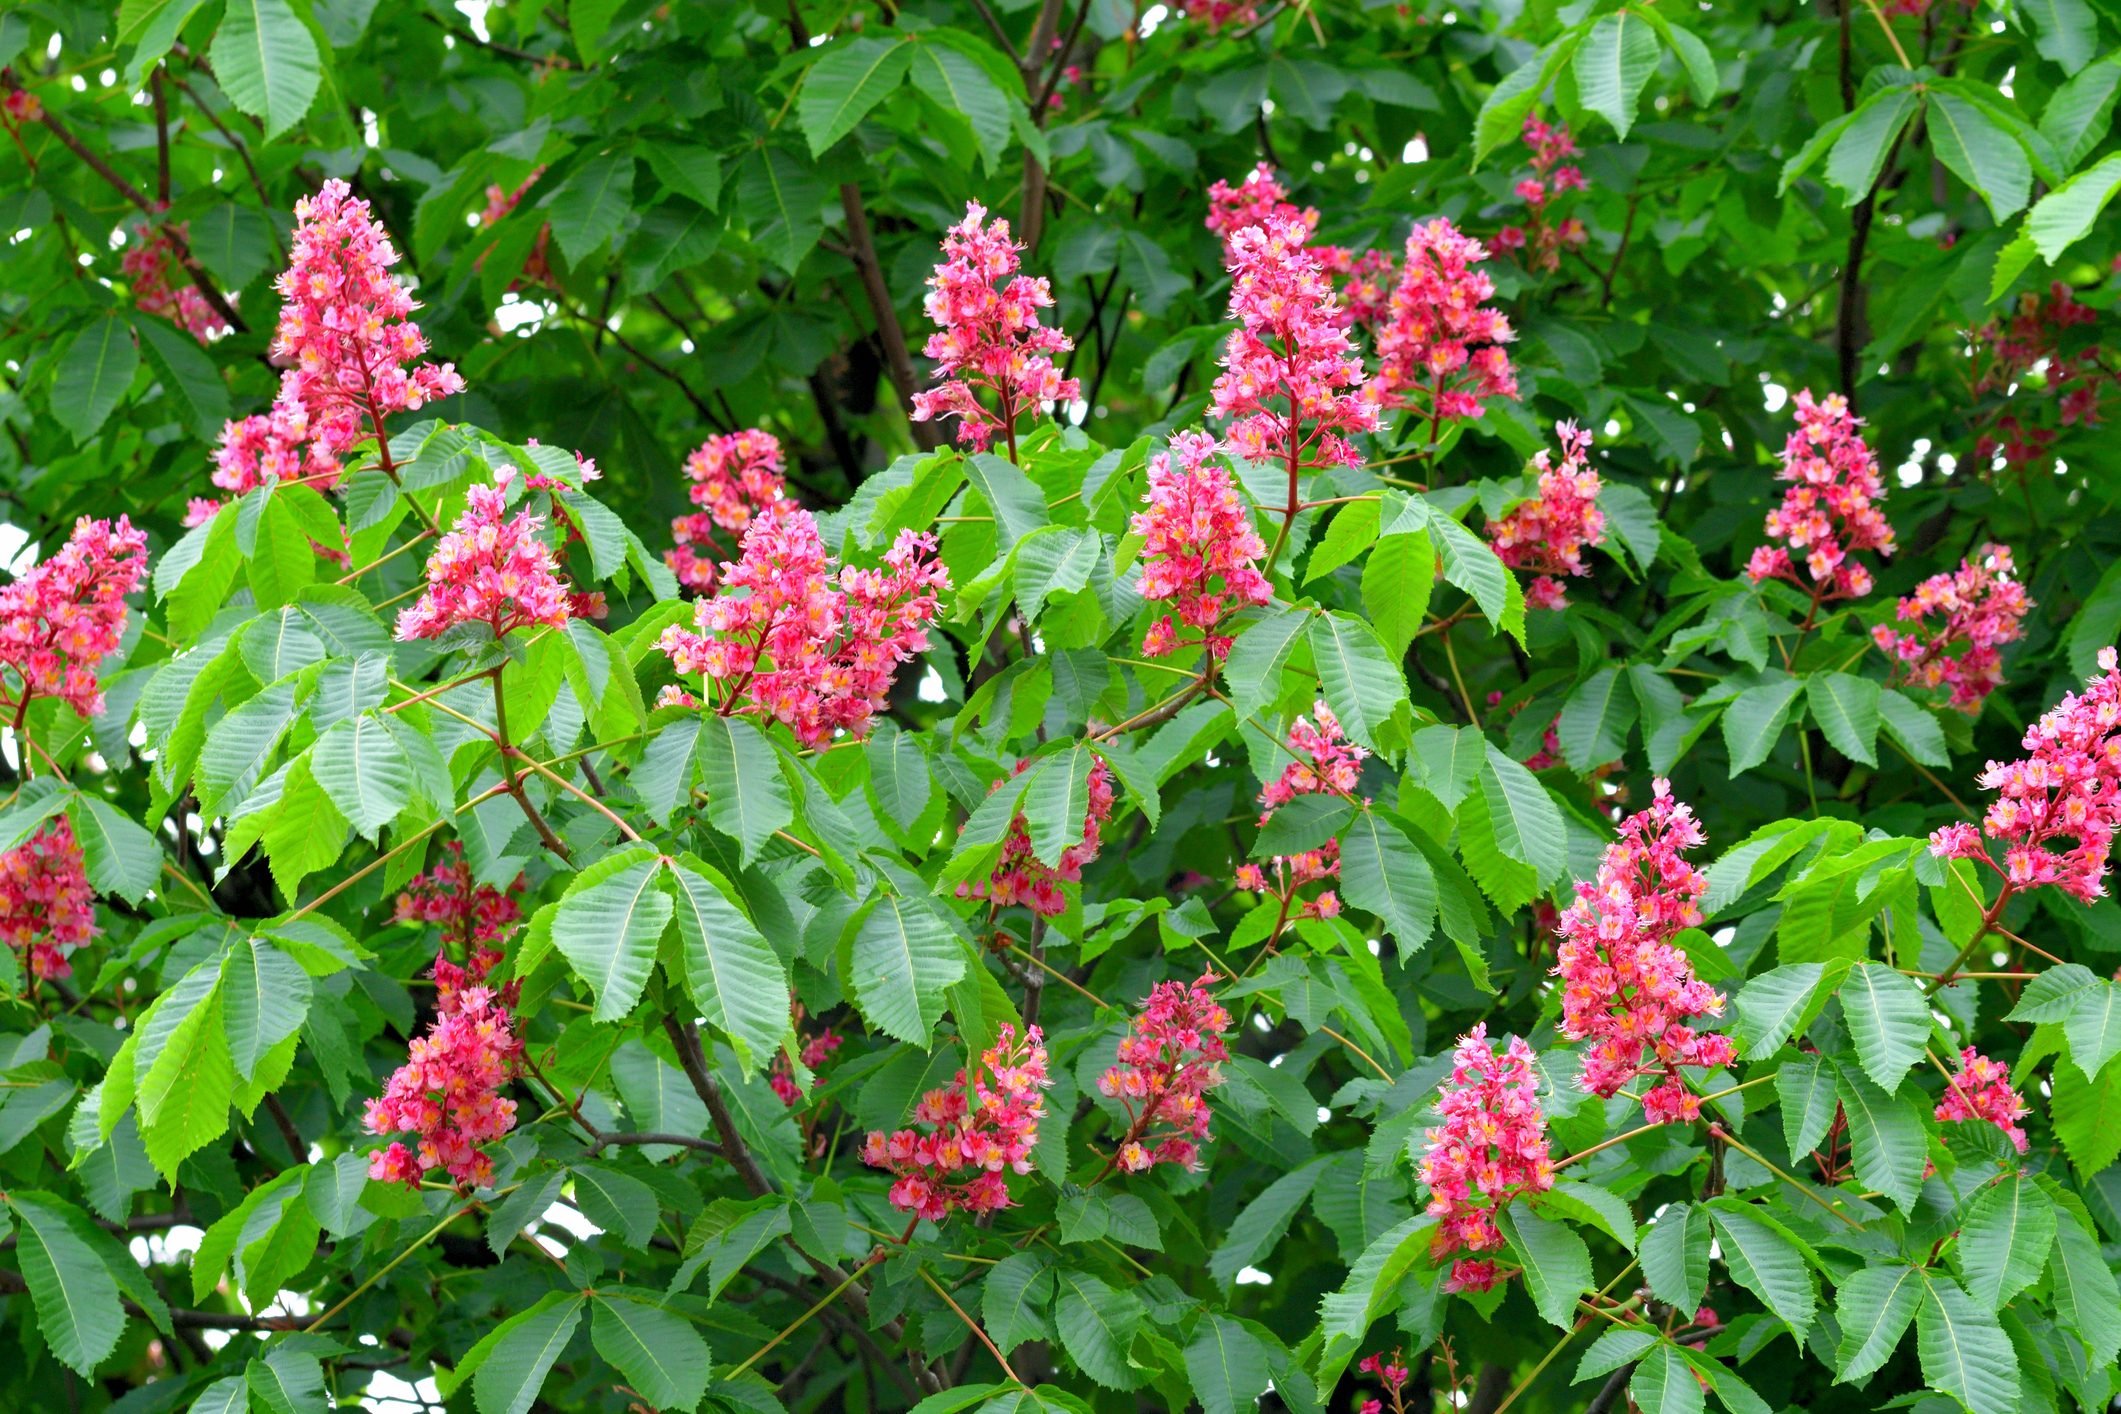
(1258, 200)
(1391, 1372)
(448, 1091)
(789, 639)
(146, 262)
(1831, 509)
(66, 615)
(1552, 174)
(47, 908)
(2066, 787)
(736, 476)
(816, 1051)
(1217, 13)
(990, 339)
(970, 1144)
(1440, 351)
(1326, 763)
(1291, 385)
(1549, 534)
(1625, 987)
(1982, 1091)
(20, 106)
(491, 569)
(1167, 1063)
(1199, 549)
(266, 446)
(471, 915)
(1490, 1148)
(1979, 606)
(537, 269)
(1022, 877)
(2032, 339)
(345, 325)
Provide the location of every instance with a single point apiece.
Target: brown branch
(897, 359)
(161, 137)
(12, 1284)
(682, 1141)
(257, 183)
(524, 56)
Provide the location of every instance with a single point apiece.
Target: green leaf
(1502, 113)
(1253, 669)
(121, 857)
(2004, 1238)
(228, 1395)
(902, 958)
(1363, 686)
(1381, 872)
(365, 772)
(1397, 582)
(2087, 1116)
(1985, 156)
(1765, 1259)
(1889, 1141)
(1056, 805)
(1846, 708)
(1753, 723)
(607, 926)
(1859, 152)
(266, 62)
(1588, 1203)
(187, 375)
(2084, 1289)
(658, 1351)
(1557, 1265)
(1964, 1350)
(1595, 720)
(1612, 65)
(957, 82)
(264, 998)
(1806, 1087)
(1915, 729)
(305, 832)
(780, 198)
(1351, 531)
(1097, 1325)
(287, 1380)
(1019, 506)
(1253, 1234)
(1018, 1300)
(1471, 564)
(521, 1351)
(2078, 117)
(1227, 1365)
(617, 1202)
(1664, 1383)
(1675, 1256)
(1875, 1306)
(589, 207)
(733, 973)
(1888, 1019)
(845, 84)
(747, 799)
(185, 1092)
(92, 375)
(2093, 1028)
(1619, 1345)
(2068, 32)
(74, 1294)
(1526, 821)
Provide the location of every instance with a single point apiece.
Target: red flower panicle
(1545, 234)
(448, 1091)
(1167, 1064)
(1441, 351)
(1256, 201)
(1215, 14)
(1977, 609)
(1199, 549)
(1625, 988)
(1291, 383)
(1326, 763)
(1020, 876)
(1831, 510)
(1982, 1091)
(977, 1132)
(66, 615)
(47, 908)
(1392, 1373)
(491, 569)
(736, 477)
(471, 915)
(989, 340)
(537, 269)
(2066, 787)
(148, 256)
(816, 1051)
(1490, 1148)
(345, 324)
(2033, 347)
(789, 639)
(266, 446)
(1548, 535)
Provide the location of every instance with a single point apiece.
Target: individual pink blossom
(1830, 513)
(816, 1051)
(989, 340)
(47, 908)
(1391, 1372)
(1545, 234)
(1291, 385)
(490, 569)
(500, 201)
(735, 476)
(1199, 549)
(149, 254)
(1255, 201)
(1326, 763)
(1625, 987)
(346, 327)
(1977, 610)
(1982, 1091)
(1441, 351)
(790, 638)
(1491, 1148)
(977, 1131)
(472, 915)
(1168, 1061)
(447, 1093)
(2067, 787)
(66, 615)
(1020, 876)
(21, 106)
(1548, 534)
